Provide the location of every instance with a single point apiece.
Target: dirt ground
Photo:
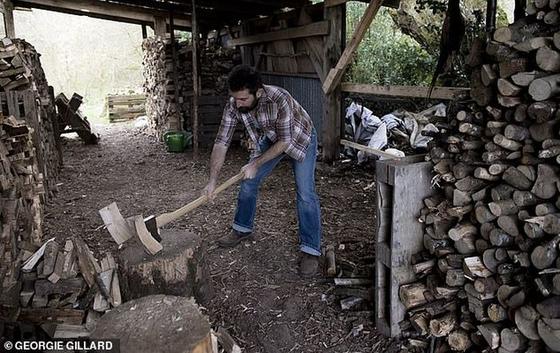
(259, 296)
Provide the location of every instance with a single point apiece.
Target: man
(280, 129)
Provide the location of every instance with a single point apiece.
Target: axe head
(151, 225)
(151, 245)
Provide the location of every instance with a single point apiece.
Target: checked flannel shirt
(277, 116)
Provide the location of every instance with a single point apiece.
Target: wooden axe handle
(165, 218)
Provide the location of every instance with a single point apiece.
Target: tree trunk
(156, 324)
(179, 269)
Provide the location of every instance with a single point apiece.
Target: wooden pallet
(401, 187)
(125, 107)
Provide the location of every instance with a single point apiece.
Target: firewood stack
(20, 70)
(161, 87)
(50, 146)
(65, 281)
(21, 185)
(490, 275)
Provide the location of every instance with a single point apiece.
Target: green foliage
(386, 56)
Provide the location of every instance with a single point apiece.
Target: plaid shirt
(277, 116)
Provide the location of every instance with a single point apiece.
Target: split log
(412, 295)
(524, 79)
(509, 224)
(549, 334)
(459, 340)
(517, 179)
(542, 111)
(545, 185)
(543, 256)
(491, 333)
(441, 327)
(526, 318)
(512, 340)
(532, 44)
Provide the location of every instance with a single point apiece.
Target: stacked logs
(44, 123)
(21, 185)
(169, 89)
(490, 276)
(160, 107)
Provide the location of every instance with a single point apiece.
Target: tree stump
(156, 324)
(179, 269)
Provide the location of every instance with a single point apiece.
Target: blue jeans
(308, 209)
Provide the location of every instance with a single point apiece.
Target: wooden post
(160, 26)
(144, 32)
(195, 80)
(333, 112)
(8, 10)
(177, 124)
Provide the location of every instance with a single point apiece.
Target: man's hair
(244, 77)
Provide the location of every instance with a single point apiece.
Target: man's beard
(246, 110)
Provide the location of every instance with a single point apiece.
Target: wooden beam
(104, 10)
(8, 12)
(195, 80)
(404, 91)
(315, 29)
(367, 149)
(160, 26)
(332, 114)
(335, 74)
(331, 3)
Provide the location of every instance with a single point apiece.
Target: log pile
(169, 99)
(21, 185)
(20, 70)
(65, 281)
(489, 278)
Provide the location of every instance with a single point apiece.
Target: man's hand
(209, 191)
(249, 170)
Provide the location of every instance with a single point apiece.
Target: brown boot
(308, 265)
(233, 238)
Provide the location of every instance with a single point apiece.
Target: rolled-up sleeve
(284, 122)
(227, 126)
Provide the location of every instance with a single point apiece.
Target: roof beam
(103, 10)
(314, 29)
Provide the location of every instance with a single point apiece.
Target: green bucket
(177, 141)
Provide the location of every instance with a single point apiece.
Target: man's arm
(250, 170)
(217, 161)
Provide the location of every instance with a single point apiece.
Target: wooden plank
(367, 149)
(40, 316)
(32, 261)
(409, 185)
(315, 29)
(335, 74)
(448, 93)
